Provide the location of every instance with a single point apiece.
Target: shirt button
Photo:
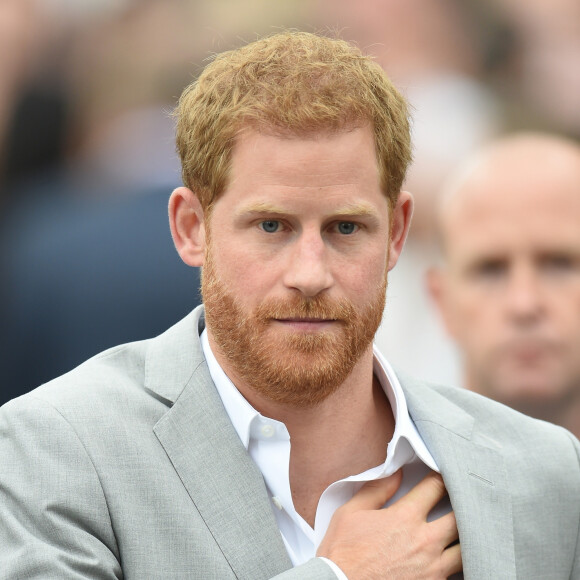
(267, 430)
(276, 501)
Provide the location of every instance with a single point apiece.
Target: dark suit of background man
(83, 274)
(262, 435)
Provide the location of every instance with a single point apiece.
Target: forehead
(267, 166)
(529, 209)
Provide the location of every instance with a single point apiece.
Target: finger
(451, 560)
(373, 495)
(445, 528)
(426, 494)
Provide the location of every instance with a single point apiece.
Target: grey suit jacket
(128, 467)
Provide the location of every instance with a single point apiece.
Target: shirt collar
(406, 439)
(240, 412)
(406, 434)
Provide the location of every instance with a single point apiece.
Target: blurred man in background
(509, 288)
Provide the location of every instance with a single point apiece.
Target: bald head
(509, 291)
(519, 169)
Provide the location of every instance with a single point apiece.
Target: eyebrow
(359, 209)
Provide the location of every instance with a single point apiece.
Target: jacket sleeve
(314, 569)
(54, 521)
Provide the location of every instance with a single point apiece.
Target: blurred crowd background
(87, 158)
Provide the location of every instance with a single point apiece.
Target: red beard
(297, 369)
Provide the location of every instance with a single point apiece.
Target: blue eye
(347, 228)
(270, 226)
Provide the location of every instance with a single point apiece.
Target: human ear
(400, 222)
(187, 223)
(436, 283)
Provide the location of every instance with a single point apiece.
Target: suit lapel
(472, 465)
(221, 479)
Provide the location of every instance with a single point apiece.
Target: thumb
(373, 495)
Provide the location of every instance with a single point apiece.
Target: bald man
(509, 286)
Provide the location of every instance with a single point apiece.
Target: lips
(301, 313)
(306, 324)
(306, 320)
(529, 351)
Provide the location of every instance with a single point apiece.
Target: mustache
(319, 307)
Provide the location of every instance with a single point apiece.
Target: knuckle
(435, 481)
(341, 515)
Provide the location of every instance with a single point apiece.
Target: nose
(308, 267)
(524, 295)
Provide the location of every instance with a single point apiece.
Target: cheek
(244, 274)
(362, 277)
(473, 316)
(565, 311)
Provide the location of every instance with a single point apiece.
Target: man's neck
(346, 434)
(348, 439)
(564, 411)
(572, 419)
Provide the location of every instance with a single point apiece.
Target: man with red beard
(264, 436)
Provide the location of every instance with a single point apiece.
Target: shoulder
(105, 390)
(521, 439)
(498, 416)
(133, 381)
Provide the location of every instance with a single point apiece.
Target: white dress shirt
(268, 443)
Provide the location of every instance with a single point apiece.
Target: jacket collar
(224, 484)
(473, 467)
(172, 357)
